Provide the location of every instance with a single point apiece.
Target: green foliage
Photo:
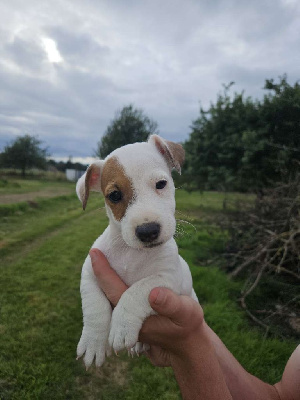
(130, 125)
(244, 144)
(24, 153)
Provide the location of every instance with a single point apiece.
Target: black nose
(147, 232)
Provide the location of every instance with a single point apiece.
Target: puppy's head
(138, 188)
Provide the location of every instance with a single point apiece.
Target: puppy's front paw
(94, 346)
(124, 330)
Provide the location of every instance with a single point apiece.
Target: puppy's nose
(148, 232)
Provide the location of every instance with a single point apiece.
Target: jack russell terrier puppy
(139, 196)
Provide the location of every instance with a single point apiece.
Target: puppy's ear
(91, 180)
(172, 152)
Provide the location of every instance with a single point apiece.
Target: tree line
(245, 144)
(238, 143)
(26, 152)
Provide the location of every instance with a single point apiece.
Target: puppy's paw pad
(92, 347)
(122, 338)
(124, 334)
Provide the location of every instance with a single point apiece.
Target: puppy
(139, 196)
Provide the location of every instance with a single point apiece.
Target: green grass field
(42, 248)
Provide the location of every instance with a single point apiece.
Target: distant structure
(73, 174)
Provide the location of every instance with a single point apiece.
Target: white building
(73, 175)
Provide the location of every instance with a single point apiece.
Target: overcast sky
(66, 66)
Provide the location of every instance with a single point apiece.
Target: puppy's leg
(131, 311)
(96, 318)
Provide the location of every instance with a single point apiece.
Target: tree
(244, 144)
(25, 152)
(130, 125)
(215, 148)
(281, 113)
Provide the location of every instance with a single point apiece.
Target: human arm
(167, 337)
(289, 386)
(242, 384)
(178, 332)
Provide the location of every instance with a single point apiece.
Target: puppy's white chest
(131, 265)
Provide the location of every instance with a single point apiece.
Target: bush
(265, 250)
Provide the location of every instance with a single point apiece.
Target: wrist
(188, 348)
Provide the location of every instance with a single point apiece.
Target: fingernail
(160, 296)
(93, 255)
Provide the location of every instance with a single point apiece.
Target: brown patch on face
(114, 178)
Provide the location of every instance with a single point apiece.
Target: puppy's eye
(115, 196)
(161, 184)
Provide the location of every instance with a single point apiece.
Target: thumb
(165, 302)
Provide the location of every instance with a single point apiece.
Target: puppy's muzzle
(147, 233)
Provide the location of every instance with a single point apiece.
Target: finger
(168, 304)
(108, 280)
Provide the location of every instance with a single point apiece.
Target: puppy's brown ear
(172, 152)
(91, 180)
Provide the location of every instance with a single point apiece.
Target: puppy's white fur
(141, 268)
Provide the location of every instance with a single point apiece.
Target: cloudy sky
(66, 66)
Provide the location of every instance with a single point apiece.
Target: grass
(18, 186)
(34, 173)
(211, 202)
(22, 225)
(40, 311)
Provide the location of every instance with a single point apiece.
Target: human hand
(173, 332)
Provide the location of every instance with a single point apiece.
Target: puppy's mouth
(151, 245)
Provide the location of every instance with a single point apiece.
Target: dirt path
(33, 196)
(26, 246)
